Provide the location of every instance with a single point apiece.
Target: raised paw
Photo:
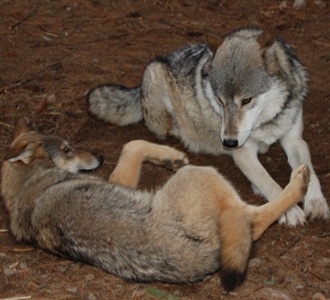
(167, 156)
(293, 217)
(175, 164)
(302, 174)
(175, 159)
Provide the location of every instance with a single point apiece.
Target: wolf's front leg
(297, 151)
(246, 159)
(134, 153)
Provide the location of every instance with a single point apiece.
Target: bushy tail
(236, 245)
(115, 104)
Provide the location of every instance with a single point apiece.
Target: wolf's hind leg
(265, 215)
(134, 153)
(247, 160)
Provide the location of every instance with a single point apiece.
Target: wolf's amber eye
(246, 101)
(66, 149)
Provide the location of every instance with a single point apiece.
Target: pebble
(318, 296)
(89, 277)
(72, 290)
(9, 272)
(91, 296)
(255, 262)
(299, 4)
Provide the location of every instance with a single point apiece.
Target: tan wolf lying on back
(195, 225)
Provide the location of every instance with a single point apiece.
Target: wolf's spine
(115, 104)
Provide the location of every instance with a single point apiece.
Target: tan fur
(134, 153)
(194, 225)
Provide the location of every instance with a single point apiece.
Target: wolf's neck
(18, 177)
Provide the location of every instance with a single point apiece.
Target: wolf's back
(115, 104)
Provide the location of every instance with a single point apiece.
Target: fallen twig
(10, 126)
(16, 85)
(17, 298)
(317, 275)
(26, 17)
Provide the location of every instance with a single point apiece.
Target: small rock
(72, 290)
(289, 278)
(91, 296)
(320, 4)
(89, 277)
(138, 292)
(51, 98)
(300, 286)
(272, 294)
(23, 265)
(283, 4)
(318, 296)
(9, 272)
(299, 4)
(324, 262)
(255, 262)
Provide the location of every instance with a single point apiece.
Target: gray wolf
(196, 224)
(239, 101)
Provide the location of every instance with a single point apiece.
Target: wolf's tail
(115, 104)
(236, 245)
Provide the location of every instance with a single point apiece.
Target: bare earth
(53, 52)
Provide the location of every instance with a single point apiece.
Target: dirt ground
(53, 52)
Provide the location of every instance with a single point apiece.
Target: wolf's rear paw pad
(176, 163)
(293, 217)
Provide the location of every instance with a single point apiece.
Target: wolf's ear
(23, 151)
(266, 39)
(21, 127)
(212, 41)
(268, 52)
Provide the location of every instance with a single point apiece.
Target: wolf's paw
(157, 154)
(317, 208)
(166, 156)
(293, 217)
(302, 175)
(175, 160)
(315, 204)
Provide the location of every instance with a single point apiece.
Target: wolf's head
(244, 79)
(29, 145)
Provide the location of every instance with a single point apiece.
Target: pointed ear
(267, 42)
(22, 151)
(21, 127)
(266, 39)
(212, 41)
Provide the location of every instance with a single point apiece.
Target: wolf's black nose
(230, 143)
